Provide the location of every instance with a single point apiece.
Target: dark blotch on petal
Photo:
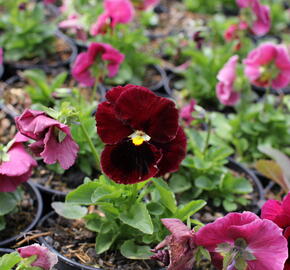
(126, 163)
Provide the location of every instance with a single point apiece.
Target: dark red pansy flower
(142, 135)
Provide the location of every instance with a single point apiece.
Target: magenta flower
(225, 88)
(262, 21)
(181, 245)
(18, 168)
(54, 142)
(142, 135)
(278, 212)
(235, 32)
(186, 112)
(145, 4)
(245, 236)
(74, 24)
(98, 53)
(287, 236)
(116, 12)
(45, 258)
(268, 65)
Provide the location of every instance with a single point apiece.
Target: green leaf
(204, 182)
(135, 252)
(179, 183)
(94, 222)
(105, 238)
(238, 185)
(82, 194)
(167, 197)
(229, 206)
(105, 192)
(69, 210)
(2, 223)
(189, 209)
(241, 264)
(138, 217)
(8, 202)
(59, 80)
(155, 208)
(8, 261)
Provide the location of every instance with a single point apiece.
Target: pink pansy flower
(45, 258)
(287, 236)
(116, 12)
(244, 235)
(232, 32)
(97, 53)
(180, 252)
(145, 4)
(18, 168)
(225, 88)
(186, 112)
(278, 212)
(73, 23)
(262, 21)
(54, 142)
(268, 65)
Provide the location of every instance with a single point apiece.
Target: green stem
(91, 145)
(95, 90)
(134, 192)
(207, 136)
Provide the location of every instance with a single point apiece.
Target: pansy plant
(35, 37)
(142, 139)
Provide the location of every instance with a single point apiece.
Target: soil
(74, 241)
(71, 179)
(17, 221)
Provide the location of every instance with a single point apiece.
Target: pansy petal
(10, 183)
(110, 129)
(65, 152)
(172, 153)
(145, 111)
(19, 161)
(126, 163)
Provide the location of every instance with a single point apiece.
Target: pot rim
(39, 207)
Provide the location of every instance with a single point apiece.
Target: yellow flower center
(138, 137)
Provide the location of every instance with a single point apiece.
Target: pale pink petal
(227, 74)
(120, 11)
(262, 24)
(45, 258)
(64, 152)
(99, 27)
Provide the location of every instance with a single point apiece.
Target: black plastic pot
(37, 201)
(261, 91)
(11, 68)
(4, 251)
(65, 263)
(239, 168)
(258, 39)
